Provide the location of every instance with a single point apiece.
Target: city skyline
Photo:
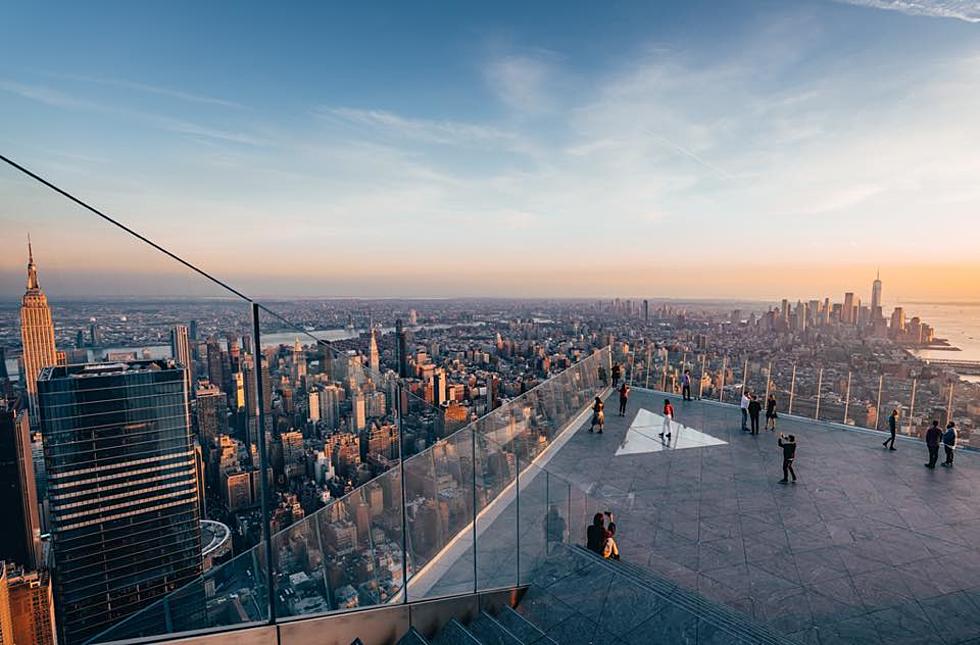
(919, 282)
(654, 143)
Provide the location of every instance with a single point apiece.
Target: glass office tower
(122, 489)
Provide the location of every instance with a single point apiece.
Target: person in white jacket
(745, 410)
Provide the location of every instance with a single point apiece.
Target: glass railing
(859, 396)
(448, 520)
(148, 384)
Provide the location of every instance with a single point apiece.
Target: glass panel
(732, 379)
(931, 398)
(896, 393)
(805, 390)
(833, 390)
(112, 376)
(439, 513)
(645, 358)
(348, 554)
(496, 474)
(863, 402)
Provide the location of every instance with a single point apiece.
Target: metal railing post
(646, 383)
(517, 510)
(816, 412)
(263, 463)
(547, 514)
(768, 380)
(792, 390)
(724, 370)
(404, 497)
(473, 444)
(949, 404)
(915, 383)
(745, 375)
(847, 398)
(881, 383)
(701, 380)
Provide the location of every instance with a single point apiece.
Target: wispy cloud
(47, 96)
(425, 130)
(521, 81)
(691, 155)
(967, 10)
(178, 126)
(153, 89)
(63, 100)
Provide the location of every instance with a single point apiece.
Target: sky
(695, 149)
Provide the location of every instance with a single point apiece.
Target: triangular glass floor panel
(643, 436)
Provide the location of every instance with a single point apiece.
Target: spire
(32, 282)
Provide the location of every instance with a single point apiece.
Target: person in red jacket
(668, 417)
(624, 397)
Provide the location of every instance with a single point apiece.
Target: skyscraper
(36, 333)
(211, 414)
(897, 325)
(374, 359)
(122, 488)
(402, 348)
(876, 293)
(180, 350)
(20, 539)
(847, 312)
(215, 369)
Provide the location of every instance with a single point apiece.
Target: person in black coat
(771, 414)
(754, 409)
(933, 436)
(788, 444)
(892, 429)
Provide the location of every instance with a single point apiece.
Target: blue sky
(496, 148)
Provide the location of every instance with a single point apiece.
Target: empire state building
(36, 334)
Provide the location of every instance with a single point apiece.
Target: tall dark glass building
(122, 489)
(401, 348)
(20, 538)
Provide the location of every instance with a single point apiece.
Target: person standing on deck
(686, 385)
(892, 429)
(745, 410)
(788, 444)
(624, 395)
(933, 436)
(598, 415)
(949, 443)
(668, 417)
(754, 409)
(771, 415)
